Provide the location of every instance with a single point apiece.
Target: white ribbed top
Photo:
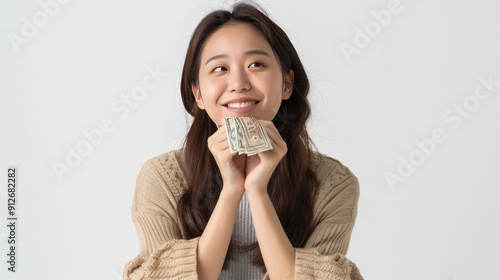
(240, 265)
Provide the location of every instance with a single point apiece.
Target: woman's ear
(288, 85)
(197, 96)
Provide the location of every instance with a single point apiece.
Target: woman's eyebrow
(247, 53)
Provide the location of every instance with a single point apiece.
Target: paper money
(246, 135)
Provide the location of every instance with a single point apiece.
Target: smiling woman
(203, 212)
(241, 72)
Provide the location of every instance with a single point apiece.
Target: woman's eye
(256, 63)
(220, 67)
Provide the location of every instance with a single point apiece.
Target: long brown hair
(293, 186)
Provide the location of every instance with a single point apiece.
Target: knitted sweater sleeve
(323, 255)
(164, 254)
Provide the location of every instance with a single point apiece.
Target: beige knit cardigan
(165, 252)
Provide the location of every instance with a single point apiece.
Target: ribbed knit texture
(240, 265)
(165, 253)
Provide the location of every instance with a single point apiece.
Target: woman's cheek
(215, 89)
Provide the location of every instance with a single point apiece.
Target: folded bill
(246, 135)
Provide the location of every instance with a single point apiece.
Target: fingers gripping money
(246, 135)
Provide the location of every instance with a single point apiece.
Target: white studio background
(413, 98)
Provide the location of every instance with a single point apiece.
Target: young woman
(202, 212)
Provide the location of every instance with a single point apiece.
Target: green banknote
(246, 135)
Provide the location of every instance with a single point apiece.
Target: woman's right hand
(231, 165)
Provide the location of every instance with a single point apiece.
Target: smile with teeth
(241, 104)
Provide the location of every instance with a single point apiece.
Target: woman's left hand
(261, 166)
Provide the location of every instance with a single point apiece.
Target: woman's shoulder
(332, 174)
(339, 188)
(325, 165)
(167, 170)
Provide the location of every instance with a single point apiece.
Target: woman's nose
(238, 81)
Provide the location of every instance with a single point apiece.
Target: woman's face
(240, 76)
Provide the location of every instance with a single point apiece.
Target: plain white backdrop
(409, 103)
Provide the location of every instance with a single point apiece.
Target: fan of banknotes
(246, 135)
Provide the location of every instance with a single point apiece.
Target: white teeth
(240, 105)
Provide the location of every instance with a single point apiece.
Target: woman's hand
(261, 166)
(231, 166)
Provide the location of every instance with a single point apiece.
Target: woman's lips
(242, 110)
